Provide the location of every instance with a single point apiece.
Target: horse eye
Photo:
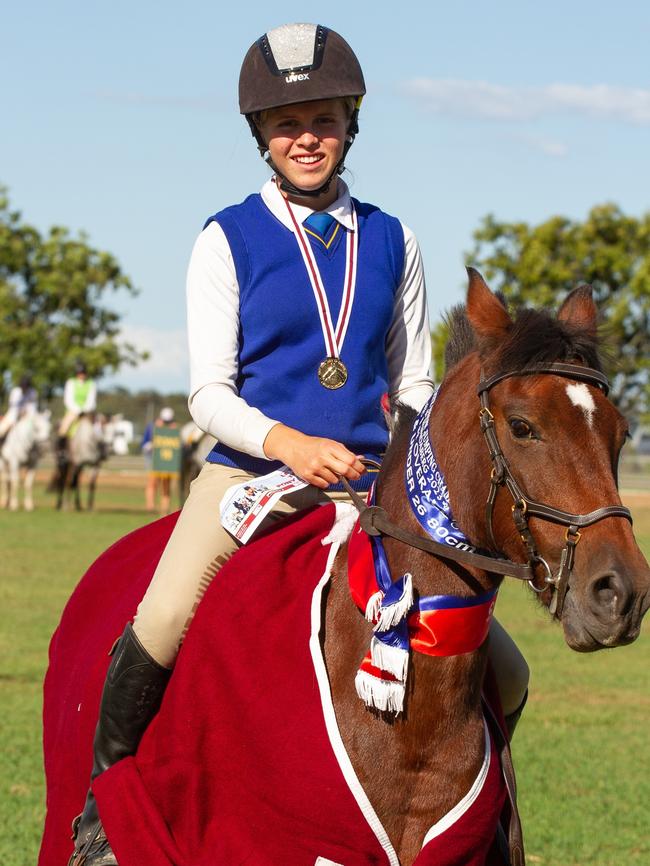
(520, 429)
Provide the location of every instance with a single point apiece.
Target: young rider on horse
(79, 398)
(273, 378)
(23, 400)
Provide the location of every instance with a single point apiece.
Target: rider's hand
(314, 459)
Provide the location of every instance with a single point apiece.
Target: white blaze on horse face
(580, 396)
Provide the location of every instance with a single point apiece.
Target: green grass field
(581, 750)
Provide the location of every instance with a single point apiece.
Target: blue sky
(122, 121)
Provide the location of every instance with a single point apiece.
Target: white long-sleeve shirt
(213, 330)
(21, 402)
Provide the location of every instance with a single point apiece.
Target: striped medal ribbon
(332, 372)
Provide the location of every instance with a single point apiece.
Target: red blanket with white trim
(238, 766)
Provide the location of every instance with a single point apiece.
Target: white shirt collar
(341, 209)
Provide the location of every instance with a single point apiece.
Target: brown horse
(563, 447)
(553, 441)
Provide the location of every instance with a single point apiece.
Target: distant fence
(127, 464)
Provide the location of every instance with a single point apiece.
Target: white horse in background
(23, 446)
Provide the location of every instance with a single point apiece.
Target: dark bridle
(375, 521)
(525, 507)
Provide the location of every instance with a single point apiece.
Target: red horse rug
(244, 763)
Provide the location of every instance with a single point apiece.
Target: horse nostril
(603, 590)
(610, 592)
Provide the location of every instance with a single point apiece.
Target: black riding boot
(131, 697)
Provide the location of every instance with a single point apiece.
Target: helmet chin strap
(285, 184)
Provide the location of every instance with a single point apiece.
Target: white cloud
(498, 102)
(167, 368)
(167, 349)
(468, 98)
(629, 104)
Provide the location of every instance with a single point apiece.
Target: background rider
(23, 400)
(79, 398)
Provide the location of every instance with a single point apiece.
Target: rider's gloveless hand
(315, 459)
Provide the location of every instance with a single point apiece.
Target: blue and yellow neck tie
(320, 225)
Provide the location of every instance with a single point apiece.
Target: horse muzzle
(606, 610)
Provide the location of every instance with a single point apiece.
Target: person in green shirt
(79, 398)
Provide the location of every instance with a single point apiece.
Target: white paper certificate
(244, 506)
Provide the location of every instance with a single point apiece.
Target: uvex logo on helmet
(296, 76)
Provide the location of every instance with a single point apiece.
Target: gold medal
(332, 373)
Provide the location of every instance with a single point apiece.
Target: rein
(374, 520)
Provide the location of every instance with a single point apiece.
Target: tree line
(54, 290)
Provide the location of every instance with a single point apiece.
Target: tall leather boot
(132, 694)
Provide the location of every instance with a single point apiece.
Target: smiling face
(305, 142)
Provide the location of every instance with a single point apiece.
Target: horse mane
(536, 337)
(403, 417)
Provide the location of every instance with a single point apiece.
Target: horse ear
(487, 315)
(579, 311)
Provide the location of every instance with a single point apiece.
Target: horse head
(549, 471)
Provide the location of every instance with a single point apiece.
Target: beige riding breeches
(67, 421)
(7, 421)
(198, 547)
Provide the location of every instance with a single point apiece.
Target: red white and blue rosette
(438, 625)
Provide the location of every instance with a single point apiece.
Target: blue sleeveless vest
(281, 343)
